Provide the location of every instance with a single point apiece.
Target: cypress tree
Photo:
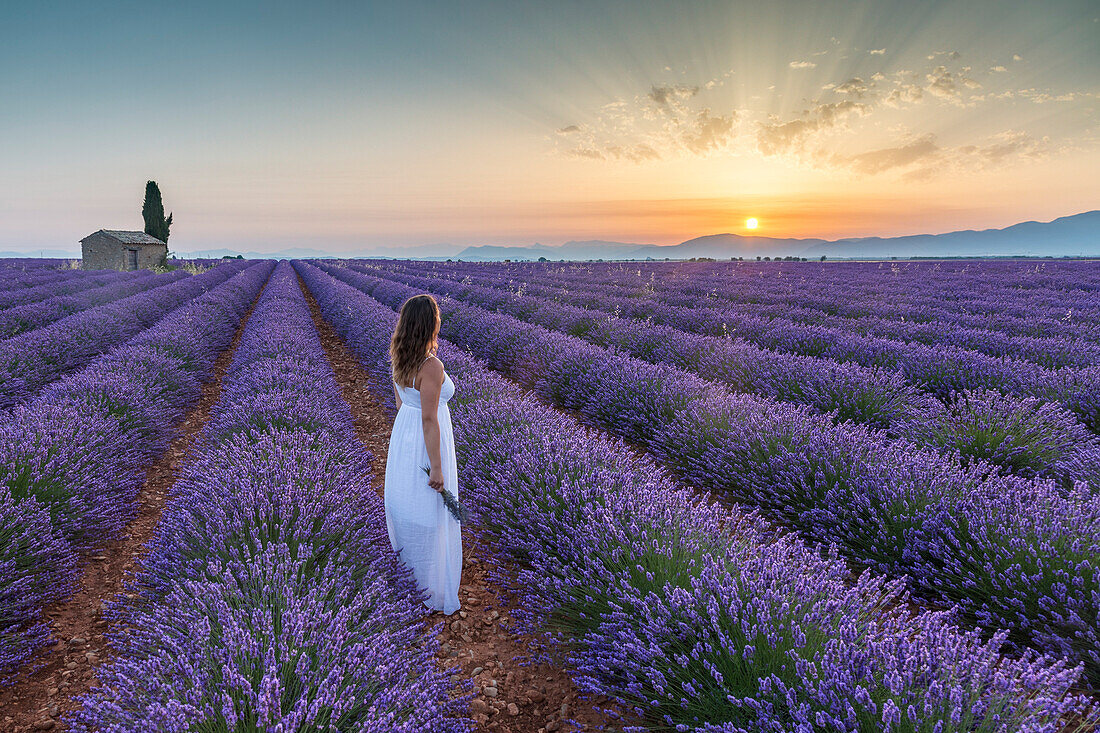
(153, 213)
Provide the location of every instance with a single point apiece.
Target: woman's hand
(435, 478)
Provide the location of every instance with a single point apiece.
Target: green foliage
(152, 210)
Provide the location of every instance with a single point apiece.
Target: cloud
(923, 158)
(941, 83)
(945, 84)
(666, 121)
(878, 161)
(1040, 97)
(667, 95)
(1009, 145)
(775, 137)
(904, 94)
(633, 153)
(855, 87)
(877, 51)
(683, 120)
(585, 153)
(707, 132)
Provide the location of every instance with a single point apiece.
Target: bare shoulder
(432, 370)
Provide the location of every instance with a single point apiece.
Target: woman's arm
(431, 383)
(397, 396)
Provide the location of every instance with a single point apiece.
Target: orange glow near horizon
(656, 123)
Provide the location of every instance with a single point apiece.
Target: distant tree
(822, 258)
(542, 259)
(153, 213)
(758, 258)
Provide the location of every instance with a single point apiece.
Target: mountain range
(1074, 236)
(1077, 235)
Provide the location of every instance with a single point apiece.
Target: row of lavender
(688, 615)
(22, 288)
(31, 360)
(71, 459)
(982, 295)
(27, 317)
(726, 296)
(270, 599)
(979, 293)
(1014, 290)
(34, 263)
(1024, 436)
(940, 370)
(986, 295)
(948, 329)
(15, 278)
(1010, 552)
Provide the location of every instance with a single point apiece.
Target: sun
(751, 223)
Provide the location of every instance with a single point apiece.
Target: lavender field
(716, 496)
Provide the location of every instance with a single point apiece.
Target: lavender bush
(876, 397)
(31, 360)
(78, 450)
(883, 502)
(938, 368)
(271, 599)
(694, 616)
(23, 288)
(37, 567)
(1027, 436)
(14, 321)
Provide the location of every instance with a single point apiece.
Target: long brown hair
(414, 338)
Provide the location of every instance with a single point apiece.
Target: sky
(344, 126)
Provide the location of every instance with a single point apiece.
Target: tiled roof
(131, 237)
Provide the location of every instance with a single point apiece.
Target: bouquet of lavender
(450, 501)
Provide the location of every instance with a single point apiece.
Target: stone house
(109, 249)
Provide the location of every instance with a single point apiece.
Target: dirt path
(37, 701)
(514, 695)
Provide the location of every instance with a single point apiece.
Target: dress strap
(426, 358)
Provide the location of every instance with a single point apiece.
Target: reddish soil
(38, 700)
(513, 694)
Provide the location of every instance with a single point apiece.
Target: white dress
(423, 533)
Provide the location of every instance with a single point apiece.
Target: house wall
(101, 252)
(151, 255)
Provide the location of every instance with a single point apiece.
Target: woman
(421, 460)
